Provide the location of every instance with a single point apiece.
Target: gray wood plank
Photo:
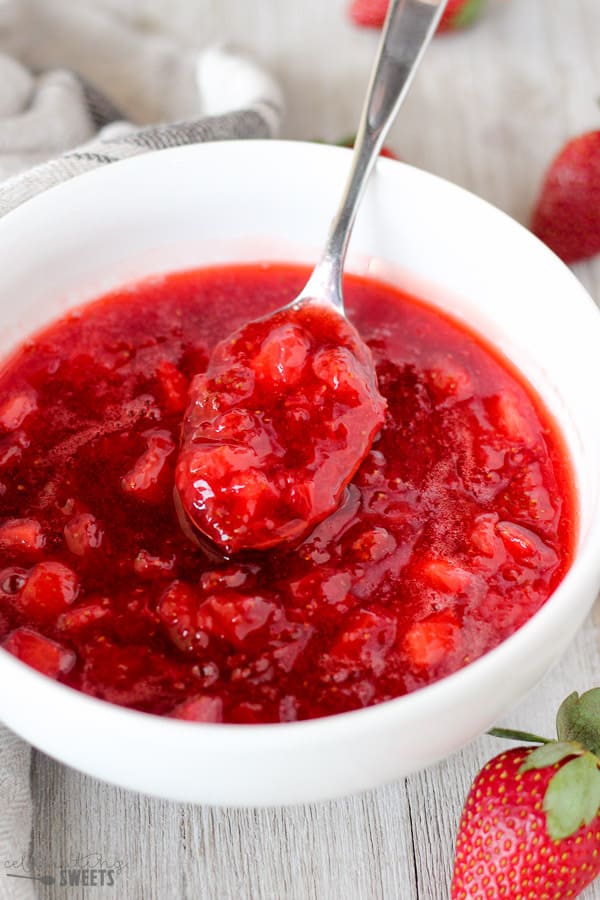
(361, 846)
(488, 111)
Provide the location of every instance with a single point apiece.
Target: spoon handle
(408, 28)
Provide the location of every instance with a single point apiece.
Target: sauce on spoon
(276, 428)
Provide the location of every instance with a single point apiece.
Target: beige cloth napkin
(80, 88)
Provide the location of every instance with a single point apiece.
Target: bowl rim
(423, 701)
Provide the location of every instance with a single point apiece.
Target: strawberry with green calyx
(530, 827)
(458, 13)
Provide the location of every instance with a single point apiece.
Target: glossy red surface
(276, 427)
(452, 533)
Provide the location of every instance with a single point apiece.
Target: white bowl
(236, 201)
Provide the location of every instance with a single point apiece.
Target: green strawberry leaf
(550, 754)
(467, 14)
(512, 734)
(572, 797)
(578, 720)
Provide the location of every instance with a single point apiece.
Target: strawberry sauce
(454, 530)
(248, 476)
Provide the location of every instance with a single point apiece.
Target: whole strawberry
(530, 827)
(567, 213)
(458, 13)
(368, 13)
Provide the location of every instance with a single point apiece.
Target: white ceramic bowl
(236, 201)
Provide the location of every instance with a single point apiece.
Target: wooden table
(488, 110)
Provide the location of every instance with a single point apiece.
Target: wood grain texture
(488, 110)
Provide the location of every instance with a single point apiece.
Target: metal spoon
(408, 29)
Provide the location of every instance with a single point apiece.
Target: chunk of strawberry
(83, 617)
(427, 642)
(511, 419)
(374, 545)
(323, 594)
(177, 610)
(237, 424)
(148, 479)
(233, 576)
(139, 408)
(486, 548)
(83, 533)
(12, 446)
(449, 380)
(282, 355)
(366, 640)
(446, 575)
(14, 410)
(221, 461)
(199, 709)
(235, 617)
(172, 387)
(292, 645)
(526, 546)
(323, 585)
(49, 591)
(149, 566)
(530, 498)
(338, 369)
(240, 497)
(22, 534)
(48, 657)
(483, 536)
(288, 709)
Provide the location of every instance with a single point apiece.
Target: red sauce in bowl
(455, 529)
